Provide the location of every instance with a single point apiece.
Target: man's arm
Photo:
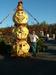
(37, 37)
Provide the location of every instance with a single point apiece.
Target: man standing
(33, 39)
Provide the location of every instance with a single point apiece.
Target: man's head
(33, 32)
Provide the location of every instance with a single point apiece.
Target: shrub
(40, 44)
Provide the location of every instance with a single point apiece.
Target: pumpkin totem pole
(20, 30)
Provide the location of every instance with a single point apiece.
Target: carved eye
(22, 12)
(20, 45)
(23, 45)
(20, 32)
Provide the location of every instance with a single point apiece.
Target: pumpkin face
(22, 47)
(22, 33)
(21, 17)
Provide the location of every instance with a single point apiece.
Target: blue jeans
(33, 46)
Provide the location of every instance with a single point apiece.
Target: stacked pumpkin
(20, 30)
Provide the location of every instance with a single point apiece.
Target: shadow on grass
(27, 66)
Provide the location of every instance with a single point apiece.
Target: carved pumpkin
(22, 47)
(21, 17)
(22, 33)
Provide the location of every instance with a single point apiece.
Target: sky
(42, 10)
